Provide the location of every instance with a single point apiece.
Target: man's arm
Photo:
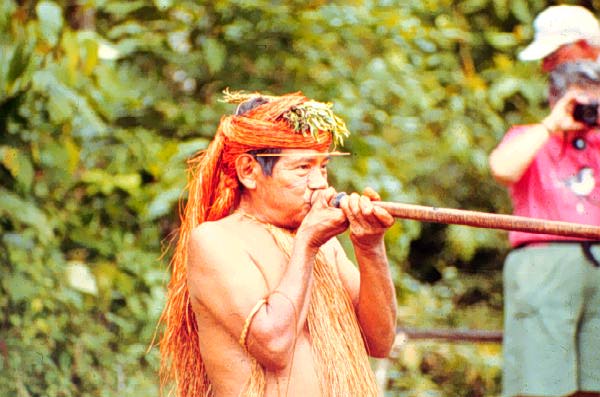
(509, 161)
(224, 279)
(371, 287)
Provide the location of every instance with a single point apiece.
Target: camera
(586, 113)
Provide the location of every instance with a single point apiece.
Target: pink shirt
(560, 184)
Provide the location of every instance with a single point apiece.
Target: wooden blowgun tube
(485, 220)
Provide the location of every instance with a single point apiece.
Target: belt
(586, 248)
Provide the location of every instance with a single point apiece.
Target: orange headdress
(288, 121)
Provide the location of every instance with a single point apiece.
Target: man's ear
(247, 169)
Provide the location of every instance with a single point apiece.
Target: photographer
(551, 283)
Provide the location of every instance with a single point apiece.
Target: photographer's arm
(510, 160)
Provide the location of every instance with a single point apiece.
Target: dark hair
(569, 74)
(249, 105)
(266, 162)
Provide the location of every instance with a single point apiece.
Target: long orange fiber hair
(213, 192)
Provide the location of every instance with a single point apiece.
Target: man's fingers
(366, 207)
(351, 207)
(363, 215)
(322, 196)
(371, 194)
(329, 194)
(384, 217)
(353, 204)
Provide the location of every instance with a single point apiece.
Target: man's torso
(560, 184)
(228, 366)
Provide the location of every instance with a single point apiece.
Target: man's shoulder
(206, 230)
(212, 233)
(216, 247)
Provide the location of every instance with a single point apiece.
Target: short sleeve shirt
(560, 183)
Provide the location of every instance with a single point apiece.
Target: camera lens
(586, 113)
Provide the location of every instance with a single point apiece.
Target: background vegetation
(101, 101)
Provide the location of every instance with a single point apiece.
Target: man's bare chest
(263, 251)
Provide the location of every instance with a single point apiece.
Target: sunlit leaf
(21, 288)
(25, 212)
(92, 54)
(51, 20)
(18, 165)
(215, 54)
(123, 7)
(81, 278)
(18, 62)
(162, 203)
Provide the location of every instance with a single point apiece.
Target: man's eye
(304, 166)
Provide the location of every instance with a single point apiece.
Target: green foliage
(100, 104)
(433, 369)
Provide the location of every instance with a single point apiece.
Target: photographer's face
(585, 95)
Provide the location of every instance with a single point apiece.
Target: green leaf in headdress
(238, 97)
(311, 117)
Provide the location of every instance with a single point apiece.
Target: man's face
(590, 93)
(285, 196)
(581, 94)
(581, 104)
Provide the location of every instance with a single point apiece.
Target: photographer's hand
(509, 161)
(561, 117)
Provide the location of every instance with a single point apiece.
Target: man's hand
(561, 117)
(368, 223)
(322, 221)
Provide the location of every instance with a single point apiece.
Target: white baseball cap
(560, 25)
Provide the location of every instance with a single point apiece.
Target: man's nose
(316, 179)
